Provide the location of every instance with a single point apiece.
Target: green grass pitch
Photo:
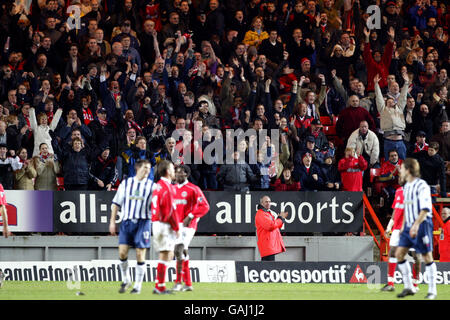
(28, 290)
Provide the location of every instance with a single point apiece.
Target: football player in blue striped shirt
(417, 231)
(133, 198)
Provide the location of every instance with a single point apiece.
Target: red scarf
(50, 117)
(87, 116)
(43, 158)
(27, 119)
(103, 122)
(133, 124)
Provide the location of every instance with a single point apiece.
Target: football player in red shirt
(191, 205)
(393, 232)
(5, 222)
(164, 222)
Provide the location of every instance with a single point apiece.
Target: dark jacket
(307, 182)
(236, 176)
(104, 170)
(103, 136)
(432, 170)
(76, 166)
(330, 173)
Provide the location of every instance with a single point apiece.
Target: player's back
(163, 205)
(417, 197)
(399, 209)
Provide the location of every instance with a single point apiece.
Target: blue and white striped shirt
(417, 198)
(134, 198)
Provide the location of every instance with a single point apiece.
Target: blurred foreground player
(5, 222)
(417, 230)
(444, 239)
(164, 222)
(395, 224)
(191, 205)
(133, 200)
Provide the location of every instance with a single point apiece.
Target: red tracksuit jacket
(268, 233)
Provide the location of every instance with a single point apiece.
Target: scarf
(87, 116)
(49, 116)
(418, 147)
(103, 122)
(133, 124)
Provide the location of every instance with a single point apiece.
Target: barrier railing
(383, 243)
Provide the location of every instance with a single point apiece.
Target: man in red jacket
(351, 168)
(268, 234)
(444, 240)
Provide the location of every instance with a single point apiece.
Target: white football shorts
(164, 237)
(186, 235)
(395, 238)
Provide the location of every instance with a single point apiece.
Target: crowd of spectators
(138, 78)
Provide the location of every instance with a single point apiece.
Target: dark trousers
(268, 258)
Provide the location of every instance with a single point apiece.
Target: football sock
(161, 275)
(392, 264)
(140, 272)
(431, 270)
(180, 270)
(187, 272)
(124, 270)
(405, 269)
(415, 279)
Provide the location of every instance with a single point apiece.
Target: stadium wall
(236, 248)
(216, 271)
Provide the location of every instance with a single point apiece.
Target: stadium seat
(374, 172)
(329, 130)
(326, 120)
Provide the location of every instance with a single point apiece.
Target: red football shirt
(399, 209)
(2, 196)
(163, 204)
(190, 199)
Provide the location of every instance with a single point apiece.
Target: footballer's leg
(430, 270)
(187, 273)
(392, 264)
(123, 256)
(160, 286)
(140, 270)
(415, 269)
(189, 235)
(178, 251)
(405, 269)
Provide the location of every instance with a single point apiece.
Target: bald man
(268, 225)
